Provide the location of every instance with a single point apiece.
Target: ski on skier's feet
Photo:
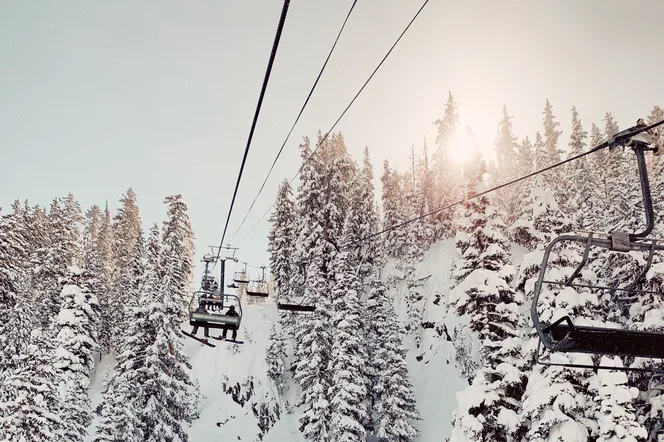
(201, 340)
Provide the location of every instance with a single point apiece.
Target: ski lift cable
(273, 54)
(345, 110)
(297, 119)
(509, 183)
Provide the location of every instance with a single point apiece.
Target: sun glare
(462, 147)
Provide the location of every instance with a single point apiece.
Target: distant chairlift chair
(562, 335)
(241, 277)
(259, 288)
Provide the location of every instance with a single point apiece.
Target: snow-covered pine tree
(347, 364)
(126, 232)
(275, 357)
(598, 177)
(540, 152)
(20, 217)
(393, 405)
(394, 240)
(51, 262)
(103, 248)
(281, 239)
(444, 176)
(320, 203)
(74, 356)
(32, 412)
(489, 408)
(363, 203)
(551, 154)
(124, 397)
(178, 253)
(91, 236)
(14, 320)
(72, 219)
(526, 157)
(170, 393)
(506, 169)
(578, 177)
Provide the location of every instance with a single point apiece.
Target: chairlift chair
(201, 317)
(259, 288)
(295, 293)
(241, 277)
(562, 335)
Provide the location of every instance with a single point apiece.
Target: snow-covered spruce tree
(444, 175)
(32, 412)
(281, 238)
(489, 408)
(578, 177)
(20, 218)
(178, 252)
(275, 357)
(73, 219)
(393, 213)
(124, 397)
(169, 391)
(126, 232)
(15, 323)
(322, 204)
(551, 153)
(348, 389)
(74, 356)
(62, 249)
(363, 203)
(394, 410)
(104, 250)
(506, 168)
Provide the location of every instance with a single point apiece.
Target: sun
(463, 147)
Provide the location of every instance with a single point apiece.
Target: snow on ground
(237, 392)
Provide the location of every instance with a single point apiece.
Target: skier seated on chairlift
(201, 309)
(231, 312)
(211, 306)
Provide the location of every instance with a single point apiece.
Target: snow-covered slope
(239, 396)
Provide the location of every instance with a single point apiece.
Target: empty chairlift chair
(562, 334)
(241, 277)
(295, 302)
(259, 288)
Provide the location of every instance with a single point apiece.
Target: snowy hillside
(239, 396)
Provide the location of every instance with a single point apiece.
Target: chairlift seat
(258, 289)
(210, 320)
(295, 307)
(241, 277)
(564, 336)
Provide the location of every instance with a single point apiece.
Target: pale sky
(158, 95)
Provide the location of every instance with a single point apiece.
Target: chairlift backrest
(562, 334)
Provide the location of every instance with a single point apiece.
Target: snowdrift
(240, 403)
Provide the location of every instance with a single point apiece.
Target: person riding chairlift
(201, 309)
(231, 312)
